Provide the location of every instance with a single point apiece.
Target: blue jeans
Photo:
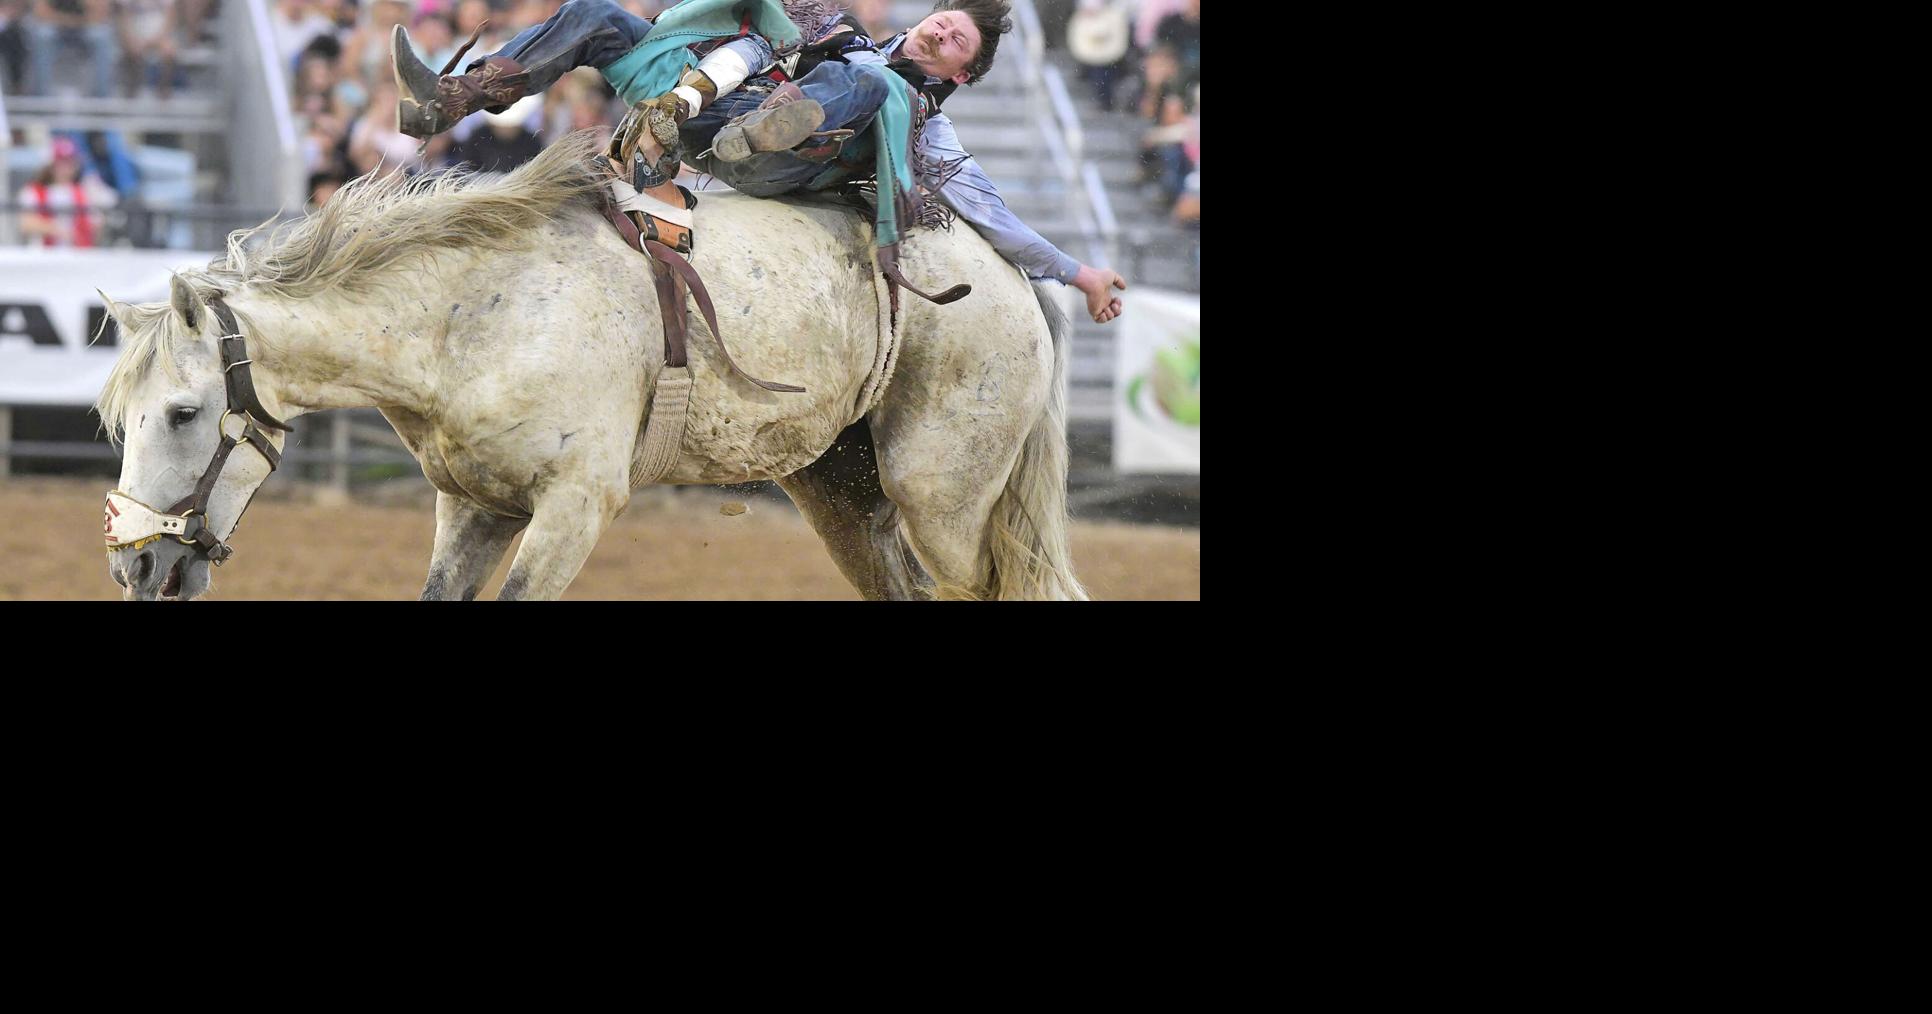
(583, 33)
(1102, 78)
(1169, 163)
(594, 33)
(44, 43)
(849, 96)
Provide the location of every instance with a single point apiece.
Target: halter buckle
(188, 532)
(221, 425)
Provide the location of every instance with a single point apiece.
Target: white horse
(513, 340)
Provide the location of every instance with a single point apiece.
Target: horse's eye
(181, 417)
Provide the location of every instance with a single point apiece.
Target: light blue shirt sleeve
(974, 197)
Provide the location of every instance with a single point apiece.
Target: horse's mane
(370, 225)
(374, 222)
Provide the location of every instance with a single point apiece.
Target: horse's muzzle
(156, 571)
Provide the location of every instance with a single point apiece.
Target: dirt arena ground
(670, 544)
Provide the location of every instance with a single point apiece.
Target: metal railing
(329, 443)
(1065, 117)
(8, 235)
(146, 226)
(1058, 122)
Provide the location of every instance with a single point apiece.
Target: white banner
(49, 311)
(1157, 383)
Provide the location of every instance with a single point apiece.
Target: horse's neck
(342, 351)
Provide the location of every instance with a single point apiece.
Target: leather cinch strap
(673, 275)
(689, 276)
(670, 301)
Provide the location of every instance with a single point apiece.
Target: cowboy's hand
(652, 126)
(1097, 283)
(664, 115)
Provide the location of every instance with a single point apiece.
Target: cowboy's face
(942, 45)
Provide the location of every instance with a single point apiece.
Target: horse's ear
(113, 309)
(113, 313)
(186, 302)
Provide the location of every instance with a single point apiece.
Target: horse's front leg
(564, 528)
(469, 544)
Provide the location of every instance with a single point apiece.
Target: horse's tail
(1032, 558)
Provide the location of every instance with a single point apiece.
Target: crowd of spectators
(344, 95)
(132, 43)
(1144, 57)
(335, 54)
(336, 58)
(95, 49)
(86, 173)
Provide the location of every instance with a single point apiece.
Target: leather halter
(246, 407)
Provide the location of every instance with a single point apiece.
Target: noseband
(187, 518)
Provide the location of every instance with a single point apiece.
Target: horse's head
(198, 442)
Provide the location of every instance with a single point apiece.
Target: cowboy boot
(428, 104)
(782, 121)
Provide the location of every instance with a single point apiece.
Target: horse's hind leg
(469, 544)
(993, 528)
(950, 537)
(564, 527)
(945, 481)
(840, 495)
(980, 472)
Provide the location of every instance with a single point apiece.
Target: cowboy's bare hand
(1097, 283)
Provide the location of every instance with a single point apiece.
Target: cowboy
(789, 130)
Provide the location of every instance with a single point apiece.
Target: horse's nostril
(143, 566)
